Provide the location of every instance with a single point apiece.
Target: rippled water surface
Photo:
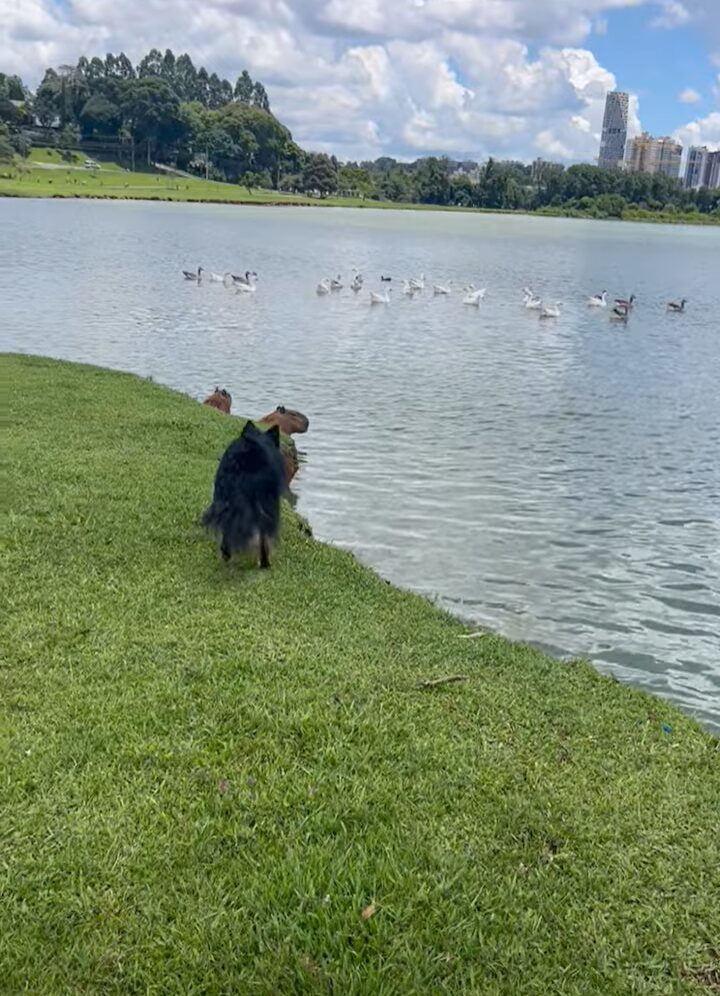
(558, 482)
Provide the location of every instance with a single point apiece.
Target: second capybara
(220, 399)
(288, 421)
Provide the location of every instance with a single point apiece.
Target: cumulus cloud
(673, 14)
(704, 131)
(689, 96)
(510, 78)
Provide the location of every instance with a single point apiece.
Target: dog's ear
(248, 427)
(273, 435)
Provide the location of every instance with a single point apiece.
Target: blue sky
(465, 78)
(657, 64)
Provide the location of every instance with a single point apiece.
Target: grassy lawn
(208, 775)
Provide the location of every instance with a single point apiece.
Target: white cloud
(361, 79)
(673, 14)
(689, 96)
(704, 131)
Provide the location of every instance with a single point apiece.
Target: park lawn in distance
(220, 780)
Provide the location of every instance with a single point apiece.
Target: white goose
(323, 287)
(376, 298)
(474, 297)
(409, 289)
(533, 303)
(551, 310)
(219, 278)
(336, 284)
(598, 300)
(439, 289)
(418, 283)
(356, 285)
(248, 288)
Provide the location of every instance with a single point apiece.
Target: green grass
(207, 774)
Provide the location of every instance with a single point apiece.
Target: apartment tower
(614, 130)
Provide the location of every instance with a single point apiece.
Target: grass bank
(221, 780)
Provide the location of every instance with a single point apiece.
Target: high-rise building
(654, 155)
(614, 130)
(712, 171)
(696, 166)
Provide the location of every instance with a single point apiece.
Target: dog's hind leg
(264, 551)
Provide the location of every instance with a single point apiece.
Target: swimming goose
(376, 298)
(323, 287)
(619, 313)
(409, 289)
(551, 311)
(628, 303)
(441, 289)
(219, 278)
(249, 288)
(243, 279)
(384, 279)
(356, 285)
(674, 306)
(533, 303)
(480, 292)
(193, 276)
(418, 282)
(474, 297)
(336, 284)
(598, 300)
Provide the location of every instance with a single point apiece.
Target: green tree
(99, 115)
(244, 88)
(432, 181)
(68, 140)
(152, 112)
(260, 98)
(7, 150)
(319, 175)
(185, 78)
(151, 64)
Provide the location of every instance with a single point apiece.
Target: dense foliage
(172, 112)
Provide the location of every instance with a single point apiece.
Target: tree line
(167, 110)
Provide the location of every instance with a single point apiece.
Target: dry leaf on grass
(369, 911)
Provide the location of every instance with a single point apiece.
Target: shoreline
(305, 779)
(331, 202)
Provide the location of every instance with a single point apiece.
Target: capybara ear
(273, 433)
(281, 409)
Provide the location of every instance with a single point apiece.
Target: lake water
(558, 482)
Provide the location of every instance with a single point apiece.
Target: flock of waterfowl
(243, 283)
(472, 296)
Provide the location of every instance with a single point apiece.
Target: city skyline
(410, 78)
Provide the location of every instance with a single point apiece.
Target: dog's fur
(287, 420)
(220, 399)
(249, 483)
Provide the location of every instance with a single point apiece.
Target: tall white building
(614, 130)
(702, 168)
(695, 167)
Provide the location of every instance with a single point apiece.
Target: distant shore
(67, 181)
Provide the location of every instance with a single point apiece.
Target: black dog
(249, 483)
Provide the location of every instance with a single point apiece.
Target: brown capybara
(288, 421)
(220, 399)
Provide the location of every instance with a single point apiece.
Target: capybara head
(288, 421)
(220, 399)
